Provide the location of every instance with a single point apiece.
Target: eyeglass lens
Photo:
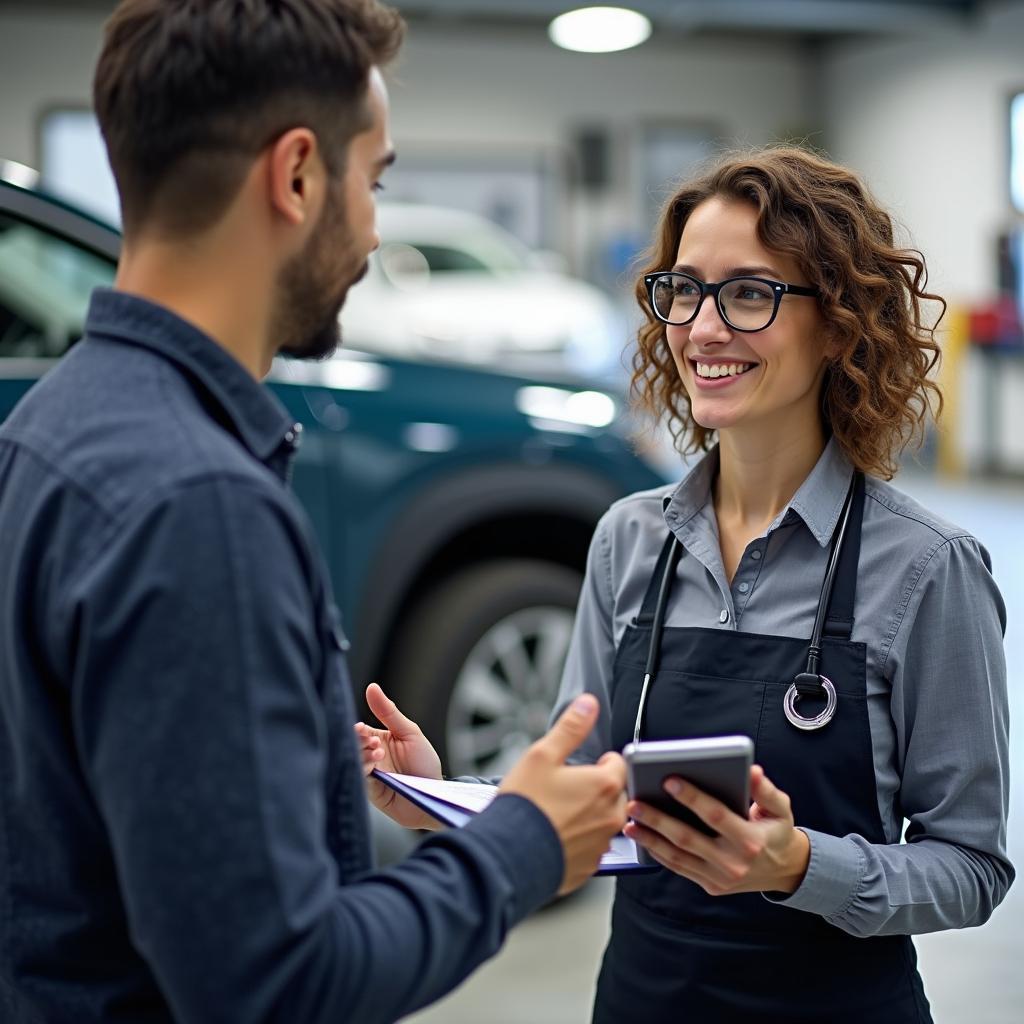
(747, 304)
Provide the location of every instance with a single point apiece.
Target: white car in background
(451, 285)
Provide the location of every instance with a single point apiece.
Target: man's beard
(312, 288)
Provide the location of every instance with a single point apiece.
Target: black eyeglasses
(745, 303)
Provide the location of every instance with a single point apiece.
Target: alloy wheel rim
(503, 695)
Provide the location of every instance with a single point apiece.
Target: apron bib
(677, 954)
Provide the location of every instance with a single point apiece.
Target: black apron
(677, 954)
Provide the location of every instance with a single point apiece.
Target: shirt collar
(818, 501)
(259, 419)
(694, 493)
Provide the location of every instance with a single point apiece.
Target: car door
(50, 260)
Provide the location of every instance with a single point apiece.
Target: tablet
(719, 765)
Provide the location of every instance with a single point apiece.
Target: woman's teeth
(723, 369)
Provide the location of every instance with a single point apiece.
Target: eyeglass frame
(779, 288)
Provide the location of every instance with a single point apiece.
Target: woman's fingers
(712, 812)
(371, 746)
(744, 855)
(717, 869)
(663, 849)
(770, 801)
(680, 835)
(671, 856)
(387, 711)
(369, 738)
(366, 731)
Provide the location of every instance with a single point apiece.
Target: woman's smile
(717, 373)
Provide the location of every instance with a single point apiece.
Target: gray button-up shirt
(932, 619)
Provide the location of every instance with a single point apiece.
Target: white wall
(491, 85)
(45, 60)
(505, 87)
(498, 91)
(926, 121)
(513, 90)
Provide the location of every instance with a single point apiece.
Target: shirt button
(723, 616)
(293, 437)
(755, 554)
(744, 587)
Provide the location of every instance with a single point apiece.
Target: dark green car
(454, 505)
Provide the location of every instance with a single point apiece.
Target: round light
(599, 29)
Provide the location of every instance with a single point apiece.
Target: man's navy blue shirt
(183, 827)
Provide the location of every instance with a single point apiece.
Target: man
(183, 824)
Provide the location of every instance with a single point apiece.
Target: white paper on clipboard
(455, 803)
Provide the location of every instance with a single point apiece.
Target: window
(1017, 152)
(73, 162)
(45, 283)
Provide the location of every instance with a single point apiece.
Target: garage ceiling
(811, 16)
(814, 18)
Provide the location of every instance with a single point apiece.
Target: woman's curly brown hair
(877, 393)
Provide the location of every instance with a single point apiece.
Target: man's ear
(296, 177)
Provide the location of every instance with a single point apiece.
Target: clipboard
(456, 803)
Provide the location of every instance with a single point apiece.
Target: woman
(852, 634)
(782, 323)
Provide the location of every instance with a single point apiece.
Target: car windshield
(413, 245)
(485, 253)
(442, 259)
(45, 285)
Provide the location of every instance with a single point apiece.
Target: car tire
(479, 661)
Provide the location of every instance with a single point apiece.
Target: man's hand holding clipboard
(585, 804)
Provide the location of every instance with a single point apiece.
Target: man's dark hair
(188, 92)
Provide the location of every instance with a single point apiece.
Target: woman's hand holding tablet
(691, 812)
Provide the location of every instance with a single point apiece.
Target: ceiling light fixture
(599, 29)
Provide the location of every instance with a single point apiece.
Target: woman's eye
(378, 187)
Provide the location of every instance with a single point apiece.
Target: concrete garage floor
(546, 972)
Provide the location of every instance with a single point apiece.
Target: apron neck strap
(839, 618)
(671, 551)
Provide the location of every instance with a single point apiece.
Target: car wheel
(479, 664)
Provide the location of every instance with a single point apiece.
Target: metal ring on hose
(823, 718)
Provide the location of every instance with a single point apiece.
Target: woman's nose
(709, 325)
